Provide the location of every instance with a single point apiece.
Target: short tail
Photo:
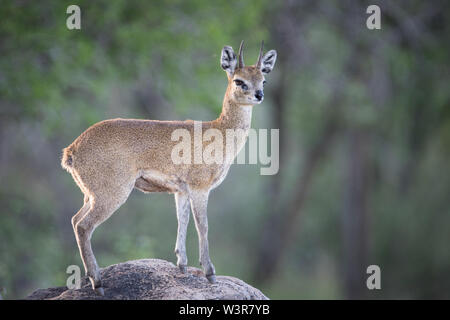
(67, 158)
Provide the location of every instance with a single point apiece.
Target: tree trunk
(354, 217)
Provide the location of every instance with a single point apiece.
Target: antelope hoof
(100, 291)
(97, 285)
(183, 268)
(211, 278)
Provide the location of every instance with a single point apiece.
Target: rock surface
(154, 279)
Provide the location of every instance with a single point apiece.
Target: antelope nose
(259, 95)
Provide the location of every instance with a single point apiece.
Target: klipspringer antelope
(114, 156)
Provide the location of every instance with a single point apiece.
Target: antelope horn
(241, 56)
(258, 64)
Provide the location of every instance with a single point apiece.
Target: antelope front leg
(182, 204)
(199, 202)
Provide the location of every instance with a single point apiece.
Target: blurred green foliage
(160, 60)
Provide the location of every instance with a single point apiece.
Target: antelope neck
(235, 116)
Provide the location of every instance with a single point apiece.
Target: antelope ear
(268, 61)
(228, 60)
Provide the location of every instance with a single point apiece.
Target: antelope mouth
(256, 101)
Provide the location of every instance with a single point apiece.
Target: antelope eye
(264, 83)
(241, 84)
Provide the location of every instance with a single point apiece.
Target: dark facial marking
(241, 84)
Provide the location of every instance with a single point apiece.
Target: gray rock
(154, 279)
